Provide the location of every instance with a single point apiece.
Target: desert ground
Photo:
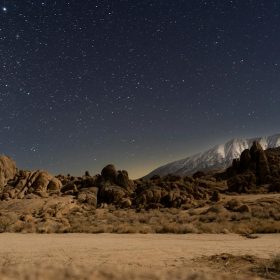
(137, 256)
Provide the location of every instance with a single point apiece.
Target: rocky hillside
(218, 157)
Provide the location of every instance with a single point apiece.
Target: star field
(135, 83)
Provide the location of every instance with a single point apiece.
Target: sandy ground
(135, 252)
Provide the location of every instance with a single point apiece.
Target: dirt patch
(136, 256)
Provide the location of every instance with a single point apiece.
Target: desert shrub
(176, 228)
(271, 268)
(243, 209)
(274, 214)
(124, 228)
(215, 209)
(208, 218)
(260, 212)
(276, 263)
(232, 204)
(7, 220)
(266, 226)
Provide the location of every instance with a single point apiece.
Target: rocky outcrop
(26, 184)
(7, 170)
(170, 191)
(256, 168)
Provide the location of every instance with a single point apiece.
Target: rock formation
(254, 169)
(7, 170)
(27, 184)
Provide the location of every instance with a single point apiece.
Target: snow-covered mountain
(218, 157)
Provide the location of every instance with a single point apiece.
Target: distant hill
(218, 157)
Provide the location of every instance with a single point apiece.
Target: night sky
(136, 83)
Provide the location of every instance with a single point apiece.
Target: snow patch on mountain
(220, 156)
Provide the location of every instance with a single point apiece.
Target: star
(4, 9)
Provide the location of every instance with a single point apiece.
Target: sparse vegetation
(65, 215)
(270, 269)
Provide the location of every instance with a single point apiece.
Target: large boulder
(109, 173)
(7, 170)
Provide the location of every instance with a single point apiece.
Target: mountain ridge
(217, 157)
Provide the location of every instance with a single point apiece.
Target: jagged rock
(262, 167)
(255, 150)
(255, 169)
(7, 170)
(245, 160)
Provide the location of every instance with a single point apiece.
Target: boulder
(109, 173)
(7, 170)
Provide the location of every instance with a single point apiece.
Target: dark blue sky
(135, 83)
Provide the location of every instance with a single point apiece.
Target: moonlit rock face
(7, 170)
(220, 156)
